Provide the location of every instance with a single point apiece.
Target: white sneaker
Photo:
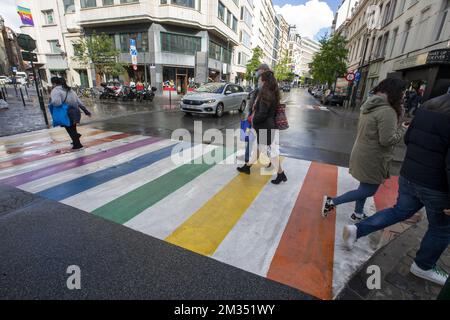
(436, 275)
(349, 236)
(357, 217)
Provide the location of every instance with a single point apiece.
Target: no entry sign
(350, 77)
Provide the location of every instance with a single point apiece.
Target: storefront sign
(411, 62)
(439, 56)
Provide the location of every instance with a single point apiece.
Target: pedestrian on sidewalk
(62, 93)
(263, 121)
(424, 182)
(379, 130)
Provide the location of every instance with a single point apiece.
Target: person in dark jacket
(263, 122)
(424, 182)
(62, 93)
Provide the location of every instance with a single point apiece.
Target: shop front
(178, 80)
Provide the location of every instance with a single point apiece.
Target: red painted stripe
(386, 196)
(28, 159)
(305, 254)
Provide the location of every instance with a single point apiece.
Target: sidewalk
(394, 261)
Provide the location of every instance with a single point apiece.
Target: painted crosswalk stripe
(50, 170)
(304, 257)
(39, 164)
(108, 192)
(263, 223)
(86, 182)
(130, 205)
(204, 230)
(163, 218)
(32, 158)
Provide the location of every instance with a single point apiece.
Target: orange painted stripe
(23, 160)
(386, 196)
(304, 258)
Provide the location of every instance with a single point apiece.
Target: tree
(101, 52)
(283, 70)
(330, 62)
(253, 64)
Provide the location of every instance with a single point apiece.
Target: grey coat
(378, 133)
(57, 97)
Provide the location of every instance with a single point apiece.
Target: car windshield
(211, 88)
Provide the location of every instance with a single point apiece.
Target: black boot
(245, 169)
(281, 177)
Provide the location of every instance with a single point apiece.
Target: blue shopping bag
(60, 115)
(246, 132)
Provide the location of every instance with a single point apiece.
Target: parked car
(5, 80)
(286, 88)
(21, 77)
(333, 99)
(215, 98)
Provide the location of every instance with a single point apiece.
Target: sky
(313, 18)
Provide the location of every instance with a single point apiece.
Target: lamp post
(144, 45)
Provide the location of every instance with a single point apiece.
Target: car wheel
(242, 108)
(219, 110)
(188, 114)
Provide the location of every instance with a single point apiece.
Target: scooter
(147, 95)
(110, 92)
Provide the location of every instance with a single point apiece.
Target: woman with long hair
(263, 121)
(62, 93)
(379, 130)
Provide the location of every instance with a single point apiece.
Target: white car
(4, 80)
(215, 98)
(21, 77)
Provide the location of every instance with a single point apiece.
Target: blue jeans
(412, 198)
(360, 195)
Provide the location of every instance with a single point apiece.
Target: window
(108, 2)
(387, 12)
(246, 39)
(184, 3)
(402, 7)
(48, 17)
(246, 17)
(229, 15)
(394, 39)
(69, 6)
(384, 44)
(242, 59)
(54, 46)
(179, 43)
(235, 23)
(88, 3)
(141, 41)
(128, 1)
(442, 21)
(218, 52)
(407, 30)
(221, 13)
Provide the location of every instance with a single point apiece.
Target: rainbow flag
(25, 16)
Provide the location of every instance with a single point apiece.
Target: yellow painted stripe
(205, 230)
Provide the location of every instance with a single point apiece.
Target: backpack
(281, 121)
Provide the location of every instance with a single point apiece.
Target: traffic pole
(40, 98)
(21, 95)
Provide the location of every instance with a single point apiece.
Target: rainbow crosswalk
(245, 221)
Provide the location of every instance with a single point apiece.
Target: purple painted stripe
(54, 169)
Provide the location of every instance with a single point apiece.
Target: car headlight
(209, 101)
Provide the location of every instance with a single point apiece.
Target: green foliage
(330, 62)
(254, 63)
(100, 51)
(283, 71)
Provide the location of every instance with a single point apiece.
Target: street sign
(29, 56)
(133, 52)
(26, 42)
(357, 76)
(350, 77)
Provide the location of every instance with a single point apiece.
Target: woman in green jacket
(379, 130)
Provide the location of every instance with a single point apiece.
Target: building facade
(264, 29)
(10, 52)
(302, 51)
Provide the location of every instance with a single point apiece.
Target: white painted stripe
(163, 218)
(65, 176)
(44, 133)
(252, 243)
(97, 197)
(54, 147)
(12, 171)
(346, 263)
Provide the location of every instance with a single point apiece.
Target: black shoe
(281, 177)
(270, 165)
(245, 169)
(77, 147)
(327, 206)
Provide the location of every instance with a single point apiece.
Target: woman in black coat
(263, 121)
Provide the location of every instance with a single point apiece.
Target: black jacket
(427, 161)
(264, 117)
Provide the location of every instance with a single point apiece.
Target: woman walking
(378, 133)
(263, 121)
(62, 93)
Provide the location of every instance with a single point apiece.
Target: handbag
(281, 121)
(60, 114)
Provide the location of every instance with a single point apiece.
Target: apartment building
(301, 52)
(10, 52)
(243, 52)
(178, 41)
(264, 30)
(407, 39)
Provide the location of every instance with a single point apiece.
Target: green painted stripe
(133, 203)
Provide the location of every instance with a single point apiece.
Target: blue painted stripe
(81, 184)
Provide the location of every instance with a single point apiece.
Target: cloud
(309, 18)
(9, 12)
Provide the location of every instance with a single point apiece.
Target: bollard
(21, 95)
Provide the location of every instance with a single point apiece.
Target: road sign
(26, 42)
(133, 52)
(29, 56)
(357, 76)
(350, 76)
